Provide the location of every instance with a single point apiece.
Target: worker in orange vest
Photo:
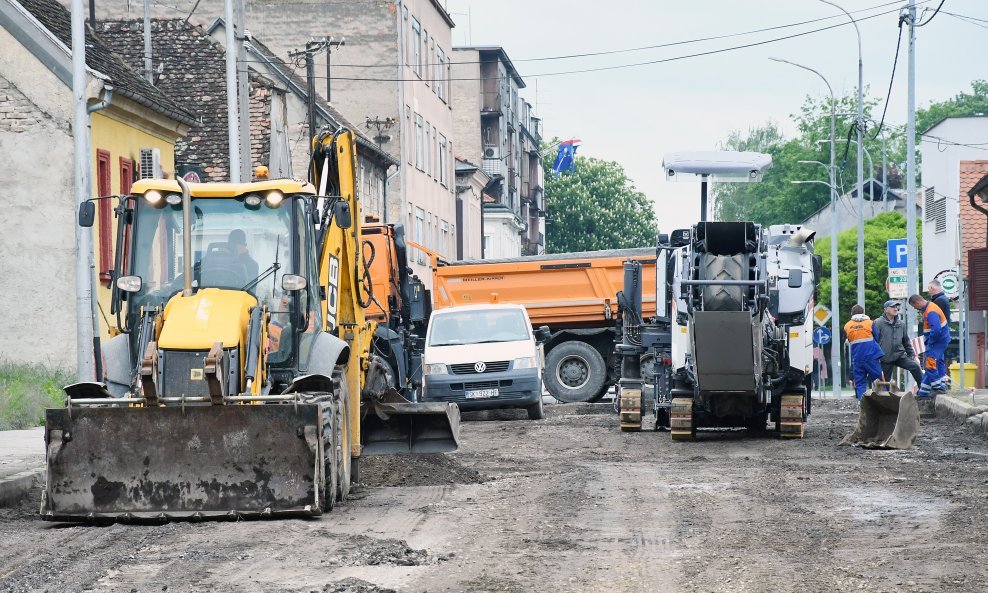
(866, 354)
(936, 333)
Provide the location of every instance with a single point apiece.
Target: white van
(483, 357)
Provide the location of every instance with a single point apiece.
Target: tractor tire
(326, 483)
(724, 267)
(342, 449)
(575, 372)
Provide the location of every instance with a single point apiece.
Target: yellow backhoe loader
(242, 379)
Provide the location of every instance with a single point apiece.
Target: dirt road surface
(572, 504)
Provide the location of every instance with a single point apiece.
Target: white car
(484, 357)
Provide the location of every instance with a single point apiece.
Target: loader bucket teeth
(886, 420)
(397, 428)
(141, 463)
(681, 425)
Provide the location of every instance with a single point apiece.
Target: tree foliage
(777, 200)
(961, 104)
(595, 207)
(877, 232)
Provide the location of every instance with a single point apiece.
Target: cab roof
(225, 190)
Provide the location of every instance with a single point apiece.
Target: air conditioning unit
(151, 163)
(491, 151)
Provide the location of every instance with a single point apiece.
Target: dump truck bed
(566, 290)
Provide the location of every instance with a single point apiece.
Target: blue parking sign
(898, 253)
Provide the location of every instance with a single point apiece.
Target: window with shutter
(977, 261)
(929, 196)
(104, 234)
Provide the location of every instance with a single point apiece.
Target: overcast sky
(636, 115)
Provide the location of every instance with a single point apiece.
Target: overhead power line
(927, 21)
(895, 62)
(620, 66)
(656, 46)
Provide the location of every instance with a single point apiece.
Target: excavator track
(681, 425)
(630, 406)
(791, 424)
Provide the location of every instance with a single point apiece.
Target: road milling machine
(243, 378)
(731, 344)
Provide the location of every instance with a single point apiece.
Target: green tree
(595, 207)
(961, 104)
(877, 232)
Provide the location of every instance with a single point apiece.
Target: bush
(26, 390)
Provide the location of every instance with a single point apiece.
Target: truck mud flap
(134, 463)
(886, 420)
(395, 428)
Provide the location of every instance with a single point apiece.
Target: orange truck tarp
(565, 290)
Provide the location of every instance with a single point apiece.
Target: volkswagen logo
(480, 367)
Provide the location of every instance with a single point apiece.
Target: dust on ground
(572, 504)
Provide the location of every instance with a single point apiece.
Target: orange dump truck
(574, 294)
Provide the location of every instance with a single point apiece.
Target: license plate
(482, 393)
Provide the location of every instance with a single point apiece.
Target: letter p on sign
(897, 253)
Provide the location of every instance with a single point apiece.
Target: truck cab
(484, 357)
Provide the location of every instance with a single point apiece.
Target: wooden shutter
(105, 209)
(977, 261)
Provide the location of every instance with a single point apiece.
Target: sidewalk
(22, 462)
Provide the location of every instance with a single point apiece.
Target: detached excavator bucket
(193, 462)
(396, 426)
(886, 420)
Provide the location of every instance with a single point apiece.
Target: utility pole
(148, 73)
(232, 125)
(85, 346)
(310, 78)
(330, 44)
(243, 88)
(911, 256)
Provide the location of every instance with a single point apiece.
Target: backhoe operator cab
(251, 244)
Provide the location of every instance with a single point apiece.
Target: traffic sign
(821, 314)
(821, 336)
(950, 282)
(897, 286)
(898, 254)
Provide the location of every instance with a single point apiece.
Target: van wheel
(575, 372)
(536, 411)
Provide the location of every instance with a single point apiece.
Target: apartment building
(495, 127)
(390, 77)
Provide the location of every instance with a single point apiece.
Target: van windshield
(478, 327)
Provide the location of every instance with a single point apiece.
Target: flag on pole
(566, 157)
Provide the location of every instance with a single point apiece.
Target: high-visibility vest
(858, 331)
(932, 307)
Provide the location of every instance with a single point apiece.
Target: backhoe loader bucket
(183, 462)
(886, 420)
(397, 426)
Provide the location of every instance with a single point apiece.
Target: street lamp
(834, 299)
(859, 125)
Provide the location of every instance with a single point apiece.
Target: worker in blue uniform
(936, 333)
(866, 354)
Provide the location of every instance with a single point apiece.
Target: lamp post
(859, 125)
(834, 299)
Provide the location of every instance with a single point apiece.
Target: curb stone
(17, 486)
(975, 417)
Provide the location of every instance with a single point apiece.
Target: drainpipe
(387, 180)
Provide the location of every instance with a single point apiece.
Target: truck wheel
(575, 372)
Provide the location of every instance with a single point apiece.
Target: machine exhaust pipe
(801, 236)
(186, 237)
